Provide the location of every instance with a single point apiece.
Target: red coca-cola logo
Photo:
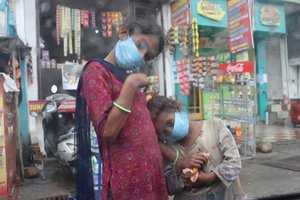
(235, 68)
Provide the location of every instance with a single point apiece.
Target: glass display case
(237, 94)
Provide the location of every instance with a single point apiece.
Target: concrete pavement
(258, 180)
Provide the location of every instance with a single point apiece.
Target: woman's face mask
(180, 128)
(128, 56)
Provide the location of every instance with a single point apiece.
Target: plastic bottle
(241, 94)
(95, 169)
(238, 132)
(232, 94)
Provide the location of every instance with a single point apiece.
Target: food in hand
(206, 155)
(193, 173)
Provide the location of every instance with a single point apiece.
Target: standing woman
(131, 159)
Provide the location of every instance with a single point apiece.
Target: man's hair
(159, 104)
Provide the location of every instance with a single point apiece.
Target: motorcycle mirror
(54, 89)
(34, 114)
(51, 107)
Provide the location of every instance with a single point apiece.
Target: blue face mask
(181, 127)
(128, 56)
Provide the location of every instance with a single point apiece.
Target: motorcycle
(58, 125)
(58, 128)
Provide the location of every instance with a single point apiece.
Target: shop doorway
(274, 68)
(195, 103)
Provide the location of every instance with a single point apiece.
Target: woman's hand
(197, 160)
(137, 80)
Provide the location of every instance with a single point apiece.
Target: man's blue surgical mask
(128, 56)
(181, 127)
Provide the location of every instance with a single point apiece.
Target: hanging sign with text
(239, 26)
(211, 10)
(65, 106)
(180, 13)
(3, 148)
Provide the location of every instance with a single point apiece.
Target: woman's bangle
(122, 108)
(177, 156)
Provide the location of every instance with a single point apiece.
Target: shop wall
(26, 24)
(16, 29)
(168, 76)
(293, 30)
(286, 84)
(184, 99)
(23, 107)
(26, 16)
(294, 82)
(269, 27)
(7, 19)
(293, 38)
(261, 70)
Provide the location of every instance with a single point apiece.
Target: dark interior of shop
(93, 44)
(293, 34)
(90, 39)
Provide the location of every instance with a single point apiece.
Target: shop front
(271, 54)
(70, 34)
(214, 64)
(73, 32)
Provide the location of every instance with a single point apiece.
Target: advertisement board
(3, 171)
(65, 106)
(239, 26)
(237, 67)
(269, 17)
(70, 76)
(180, 13)
(211, 106)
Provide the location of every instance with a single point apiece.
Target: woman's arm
(229, 169)
(168, 153)
(97, 88)
(117, 118)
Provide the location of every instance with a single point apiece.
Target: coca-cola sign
(237, 67)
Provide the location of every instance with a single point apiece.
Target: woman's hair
(147, 27)
(159, 104)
